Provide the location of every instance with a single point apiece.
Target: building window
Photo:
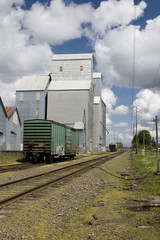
(38, 97)
(60, 69)
(21, 97)
(81, 68)
(37, 112)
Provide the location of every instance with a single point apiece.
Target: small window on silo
(37, 96)
(21, 97)
(37, 112)
(60, 69)
(81, 68)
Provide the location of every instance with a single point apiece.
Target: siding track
(16, 190)
(17, 167)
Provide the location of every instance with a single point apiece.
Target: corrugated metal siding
(37, 136)
(104, 123)
(71, 70)
(99, 134)
(75, 141)
(68, 146)
(98, 85)
(27, 107)
(2, 128)
(49, 137)
(80, 56)
(67, 107)
(13, 133)
(58, 138)
(90, 121)
(33, 83)
(69, 85)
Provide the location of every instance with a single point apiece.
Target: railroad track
(16, 190)
(16, 167)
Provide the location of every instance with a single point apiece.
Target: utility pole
(143, 150)
(136, 134)
(85, 137)
(158, 161)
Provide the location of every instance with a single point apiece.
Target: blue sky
(123, 35)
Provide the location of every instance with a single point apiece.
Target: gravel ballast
(76, 210)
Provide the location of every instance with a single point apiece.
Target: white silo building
(73, 96)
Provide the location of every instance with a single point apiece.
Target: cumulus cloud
(108, 121)
(114, 48)
(148, 104)
(58, 22)
(120, 110)
(113, 13)
(26, 38)
(121, 124)
(20, 55)
(109, 99)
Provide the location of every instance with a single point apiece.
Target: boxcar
(113, 147)
(47, 139)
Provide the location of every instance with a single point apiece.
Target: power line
(155, 80)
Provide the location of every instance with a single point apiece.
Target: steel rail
(90, 165)
(54, 171)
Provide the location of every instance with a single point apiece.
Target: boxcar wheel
(33, 159)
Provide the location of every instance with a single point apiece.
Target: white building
(70, 95)
(72, 99)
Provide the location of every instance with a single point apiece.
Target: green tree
(119, 145)
(143, 136)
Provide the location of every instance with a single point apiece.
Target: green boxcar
(47, 139)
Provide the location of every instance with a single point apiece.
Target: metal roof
(33, 83)
(10, 110)
(69, 85)
(72, 56)
(97, 75)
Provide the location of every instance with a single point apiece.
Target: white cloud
(26, 37)
(5, 6)
(109, 99)
(58, 22)
(148, 104)
(114, 48)
(113, 13)
(108, 121)
(121, 124)
(8, 93)
(120, 110)
(19, 54)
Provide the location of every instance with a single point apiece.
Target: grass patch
(147, 165)
(11, 160)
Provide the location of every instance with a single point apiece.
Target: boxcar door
(68, 140)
